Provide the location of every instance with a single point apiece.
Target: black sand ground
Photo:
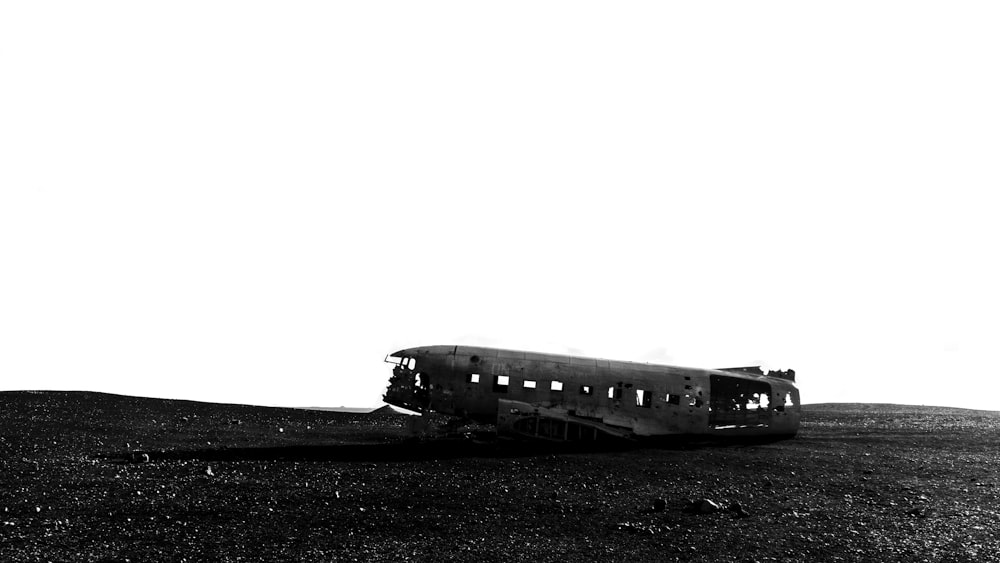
(241, 483)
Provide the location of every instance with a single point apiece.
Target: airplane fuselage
(557, 396)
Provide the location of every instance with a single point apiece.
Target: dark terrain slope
(243, 483)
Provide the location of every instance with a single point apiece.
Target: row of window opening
(502, 382)
(643, 397)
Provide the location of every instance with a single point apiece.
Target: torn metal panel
(552, 395)
(788, 374)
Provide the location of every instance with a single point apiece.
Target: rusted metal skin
(560, 397)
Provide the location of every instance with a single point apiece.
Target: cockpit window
(404, 362)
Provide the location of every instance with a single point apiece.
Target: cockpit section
(408, 388)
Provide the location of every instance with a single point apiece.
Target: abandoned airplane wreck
(570, 398)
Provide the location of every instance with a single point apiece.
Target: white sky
(255, 202)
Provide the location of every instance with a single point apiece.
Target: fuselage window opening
(501, 383)
(472, 378)
(761, 399)
(614, 392)
(673, 399)
(781, 400)
(556, 386)
(643, 398)
(529, 384)
(586, 390)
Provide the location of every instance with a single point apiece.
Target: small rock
(702, 506)
(707, 506)
(208, 471)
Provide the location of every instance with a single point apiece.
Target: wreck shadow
(428, 450)
(409, 450)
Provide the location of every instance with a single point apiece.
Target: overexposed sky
(255, 202)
